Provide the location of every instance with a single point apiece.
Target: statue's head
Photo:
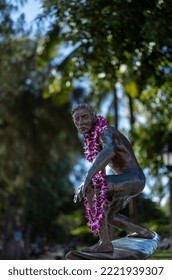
(84, 117)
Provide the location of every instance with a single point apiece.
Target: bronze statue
(105, 145)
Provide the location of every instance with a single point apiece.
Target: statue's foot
(99, 248)
(91, 247)
(147, 234)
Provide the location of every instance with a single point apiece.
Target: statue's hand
(80, 194)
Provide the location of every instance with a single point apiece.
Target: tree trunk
(115, 105)
(133, 201)
(132, 119)
(8, 248)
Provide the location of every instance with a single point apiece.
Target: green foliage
(117, 33)
(49, 200)
(156, 128)
(39, 145)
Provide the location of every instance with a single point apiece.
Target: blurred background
(117, 56)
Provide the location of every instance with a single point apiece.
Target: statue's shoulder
(110, 135)
(113, 132)
(119, 136)
(109, 131)
(112, 129)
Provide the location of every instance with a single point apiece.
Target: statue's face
(83, 120)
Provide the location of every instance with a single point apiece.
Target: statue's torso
(124, 158)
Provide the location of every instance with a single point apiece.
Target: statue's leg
(104, 244)
(120, 221)
(122, 188)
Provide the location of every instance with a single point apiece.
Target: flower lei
(96, 215)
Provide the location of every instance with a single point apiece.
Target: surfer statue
(104, 195)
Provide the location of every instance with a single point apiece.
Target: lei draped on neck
(96, 215)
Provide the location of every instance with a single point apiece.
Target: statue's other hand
(79, 194)
(83, 190)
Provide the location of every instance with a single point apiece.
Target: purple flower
(95, 215)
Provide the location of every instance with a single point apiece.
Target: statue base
(126, 248)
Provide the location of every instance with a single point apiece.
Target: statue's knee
(110, 216)
(137, 189)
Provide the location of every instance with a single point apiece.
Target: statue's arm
(103, 158)
(101, 161)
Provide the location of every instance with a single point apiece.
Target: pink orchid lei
(96, 215)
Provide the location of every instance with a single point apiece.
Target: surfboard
(126, 248)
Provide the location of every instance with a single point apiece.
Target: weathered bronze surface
(127, 181)
(126, 248)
